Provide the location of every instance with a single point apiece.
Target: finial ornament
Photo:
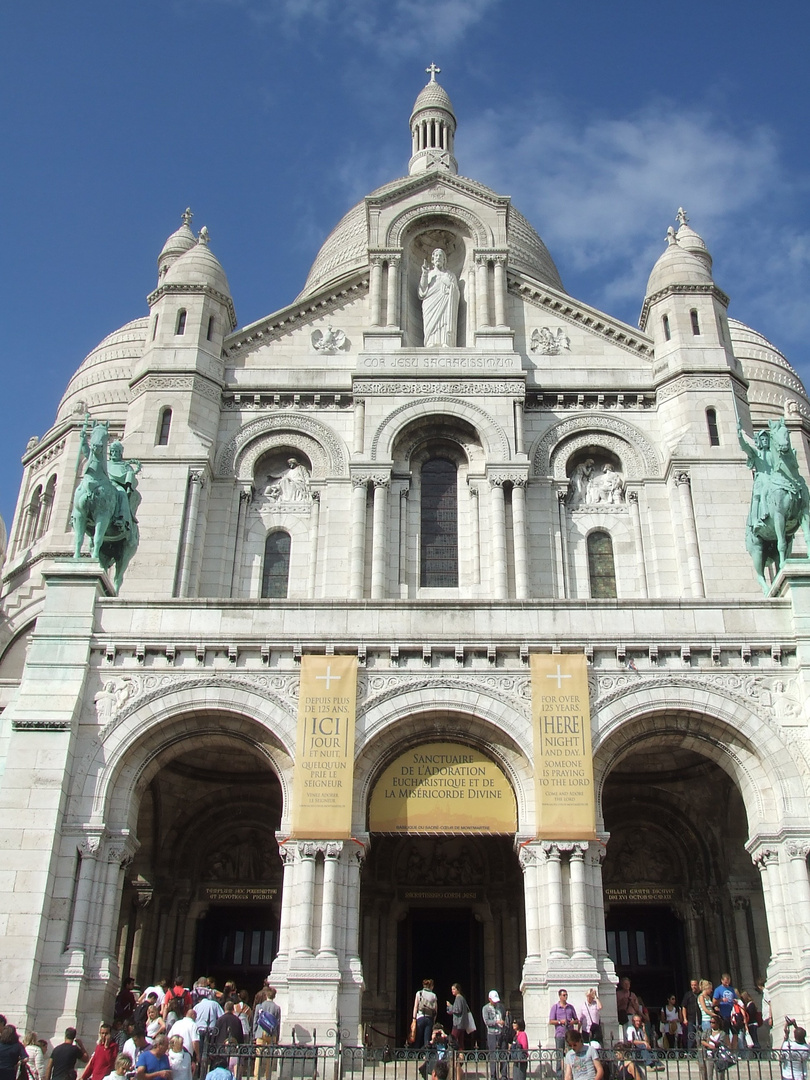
(204, 237)
(433, 71)
(671, 237)
(681, 216)
(187, 216)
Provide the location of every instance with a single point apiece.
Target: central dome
(345, 250)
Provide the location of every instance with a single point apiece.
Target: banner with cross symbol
(563, 763)
(323, 776)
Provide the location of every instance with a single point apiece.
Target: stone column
(379, 547)
(578, 905)
(355, 865)
(196, 481)
(766, 860)
(330, 909)
(245, 496)
(359, 425)
(527, 856)
(498, 542)
(554, 901)
(519, 537)
(304, 897)
(475, 533)
(746, 973)
(500, 290)
(519, 420)
(797, 885)
(684, 484)
(357, 550)
(638, 536)
(402, 562)
(563, 525)
(392, 300)
(375, 290)
(88, 855)
(314, 532)
(482, 290)
(285, 935)
(118, 859)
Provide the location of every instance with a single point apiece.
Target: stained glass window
(276, 565)
(601, 568)
(439, 562)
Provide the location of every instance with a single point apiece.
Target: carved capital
(333, 850)
(499, 260)
(527, 857)
(482, 260)
(632, 496)
(360, 481)
(307, 850)
(90, 847)
(376, 260)
(197, 476)
(552, 851)
(246, 495)
(683, 478)
(578, 852)
(798, 849)
(315, 495)
(381, 481)
(741, 903)
(393, 260)
(765, 857)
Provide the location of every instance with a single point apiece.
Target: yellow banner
(563, 765)
(443, 788)
(323, 777)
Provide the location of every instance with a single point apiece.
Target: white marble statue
(606, 486)
(292, 485)
(439, 293)
(578, 484)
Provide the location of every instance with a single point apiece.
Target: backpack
(178, 1001)
(267, 1021)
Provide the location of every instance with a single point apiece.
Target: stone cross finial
(433, 71)
(187, 216)
(204, 238)
(681, 216)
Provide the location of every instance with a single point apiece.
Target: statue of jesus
(438, 291)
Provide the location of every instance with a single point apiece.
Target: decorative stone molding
(195, 384)
(229, 457)
(330, 342)
(418, 388)
(48, 453)
(692, 382)
(681, 478)
(547, 342)
(180, 288)
(488, 430)
(680, 290)
(512, 690)
(90, 847)
(631, 446)
(397, 228)
(40, 725)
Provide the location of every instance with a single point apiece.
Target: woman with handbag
(590, 1018)
(669, 1021)
(462, 1018)
(425, 1006)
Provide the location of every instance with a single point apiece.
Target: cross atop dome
(681, 216)
(433, 125)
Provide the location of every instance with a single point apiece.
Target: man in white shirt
(136, 1044)
(794, 1054)
(208, 1012)
(187, 1030)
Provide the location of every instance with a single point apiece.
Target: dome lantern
(181, 241)
(433, 126)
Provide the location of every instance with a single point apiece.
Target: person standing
(626, 1001)
(12, 1053)
(581, 1061)
(36, 1059)
(494, 1019)
(723, 999)
(124, 1001)
(62, 1061)
(794, 1053)
(590, 1018)
(266, 1027)
(459, 1010)
(520, 1050)
(102, 1060)
(154, 1064)
(690, 1014)
(562, 1018)
(425, 1007)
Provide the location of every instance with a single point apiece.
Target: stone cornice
(680, 290)
(295, 315)
(205, 290)
(562, 306)
(412, 184)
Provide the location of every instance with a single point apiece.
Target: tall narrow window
(693, 315)
(47, 506)
(711, 424)
(154, 326)
(601, 568)
(667, 331)
(439, 555)
(165, 427)
(211, 325)
(181, 321)
(276, 574)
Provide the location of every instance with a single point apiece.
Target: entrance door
(443, 944)
(647, 943)
(238, 943)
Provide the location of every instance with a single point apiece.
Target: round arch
(718, 726)
(328, 451)
(630, 445)
(481, 234)
(492, 435)
(158, 728)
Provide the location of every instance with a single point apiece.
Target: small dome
(433, 96)
(102, 381)
(773, 385)
(181, 241)
(198, 266)
(677, 266)
(691, 241)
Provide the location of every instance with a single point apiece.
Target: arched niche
(419, 240)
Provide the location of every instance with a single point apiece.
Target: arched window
(711, 424)
(165, 427)
(212, 322)
(601, 568)
(439, 555)
(32, 516)
(47, 506)
(667, 331)
(276, 573)
(181, 321)
(693, 315)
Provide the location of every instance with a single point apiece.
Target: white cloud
(602, 193)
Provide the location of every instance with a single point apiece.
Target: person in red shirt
(102, 1060)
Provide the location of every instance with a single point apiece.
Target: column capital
(552, 851)
(632, 496)
(90, 847)
(394, 259)
(360, 481)
(798, 849)
(375, 260)
(197, 476)
(682, 478)
(381, 481)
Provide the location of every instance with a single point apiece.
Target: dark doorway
(647, 943)
(443, 944)
(238, 943)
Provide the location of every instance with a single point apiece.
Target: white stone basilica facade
(437, 461)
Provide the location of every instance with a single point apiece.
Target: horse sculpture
(780, 500)
(104, 508)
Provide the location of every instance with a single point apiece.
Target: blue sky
(271, 117)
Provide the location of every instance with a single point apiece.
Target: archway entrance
(203, 894)
(682, 897)
(442, 889)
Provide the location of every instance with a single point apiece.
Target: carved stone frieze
(548, 342)
(466, 409)
(420, 388)
(691, 382)
(295, 422)
(48, 454)
(329, 341)
(189, 383)
(512, 690)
